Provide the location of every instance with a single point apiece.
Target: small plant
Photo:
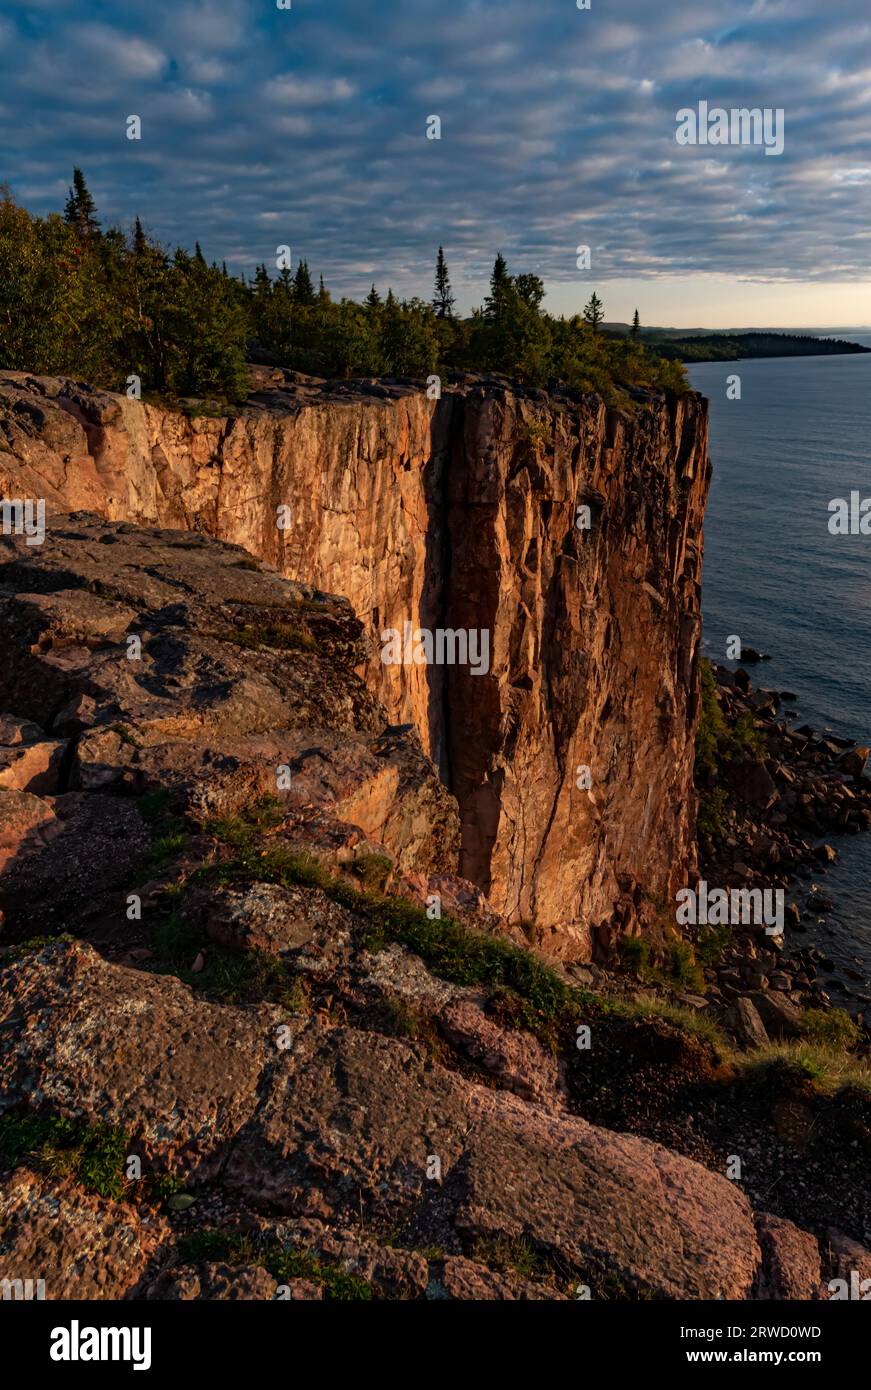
(125, 735)
(713, 809)
(634, 953)
(230, 1246)
(373, 869)
(283, 1262)
(165, 1185)
(537, 434)
(711, 943)
(831, 1027)
(92, 1154)
(170, 833)
(682, 968)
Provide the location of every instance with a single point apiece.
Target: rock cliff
(458, 514)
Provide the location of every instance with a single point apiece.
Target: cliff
(459, 514)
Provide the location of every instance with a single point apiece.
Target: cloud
(558, 128)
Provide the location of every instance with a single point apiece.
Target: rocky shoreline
(781, 808)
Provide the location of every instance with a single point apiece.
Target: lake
(774, 574)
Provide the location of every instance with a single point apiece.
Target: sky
(307, 127)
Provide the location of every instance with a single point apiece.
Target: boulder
(790, 1266)
(82, 1246)
(744, 1021)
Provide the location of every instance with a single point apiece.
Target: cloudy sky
(308, 126)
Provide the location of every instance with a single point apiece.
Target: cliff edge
(566, 536)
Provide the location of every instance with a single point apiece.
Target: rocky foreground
(259, 1040)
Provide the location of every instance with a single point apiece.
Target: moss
(170, 833)
(231, 976)
(282, 1262)
(241, 978)
(92, 1154)
(400, 1020)
(230, 1246)
(280, 636)
(125, 735)
(337, 1285)
(33, 944)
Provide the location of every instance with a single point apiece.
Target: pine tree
(80, 210)
(373, 298)
(443, 301)
(198, 255)
(500, 284)
(593, 312)
(140, 242)
(323, 292)
(636, 324)
(303, 289)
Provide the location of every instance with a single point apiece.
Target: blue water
(773, 573)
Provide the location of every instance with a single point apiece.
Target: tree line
(103, 305)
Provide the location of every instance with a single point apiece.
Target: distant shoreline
(734, 347)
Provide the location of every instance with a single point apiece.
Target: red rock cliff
(461, 514)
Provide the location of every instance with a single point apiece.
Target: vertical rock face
(459, 514)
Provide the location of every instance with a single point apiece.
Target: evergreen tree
(373, 298)
(593, 312)
(80, 210)
(500, 284)
(323, 292)
(198, 255)
(140, 244)
(636, 324)
(443, 301)
(303, 289)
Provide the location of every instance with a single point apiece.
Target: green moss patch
(92, 1154)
